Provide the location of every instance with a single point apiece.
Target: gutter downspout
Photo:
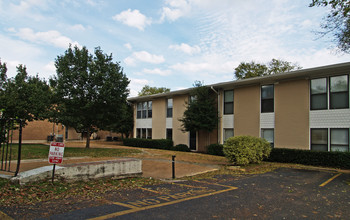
(219, 119)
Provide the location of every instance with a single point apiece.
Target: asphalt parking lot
(282, 194)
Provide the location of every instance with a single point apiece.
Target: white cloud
(175, 9)
(50, 67)
(49, 37)
(136, 85)
(77, 27)
(186, 48)
(144, 56)
(133, 19)
(128, 46)
(157, 71)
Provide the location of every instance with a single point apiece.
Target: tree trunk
(88, 138)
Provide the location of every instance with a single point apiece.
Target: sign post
(55, 155)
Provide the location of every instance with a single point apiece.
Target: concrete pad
(160, 169)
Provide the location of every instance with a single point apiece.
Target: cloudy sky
(165, 43)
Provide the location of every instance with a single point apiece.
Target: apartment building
(304, 109)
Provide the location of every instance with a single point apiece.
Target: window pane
(143, 134)
(319, 136)
(139, 106)
(149, 133)
(339, 100)
(267, 105)
(319, 102)
(340, 136)
(319, 147)
(138, 133)
(319, 86)
(339, 148)
(149, 115)
(170, 103)
(267, 134)
(169, 113)
(228, 108)
(228, 96)
(169, 134)
(339, 83)
(228, 133)
(267, 92)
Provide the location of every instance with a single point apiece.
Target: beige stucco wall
(292, 114)
(247, 111)
(159, 118)
(179, 108)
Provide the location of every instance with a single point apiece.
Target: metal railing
(8, 147)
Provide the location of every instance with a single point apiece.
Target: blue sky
(169, 43)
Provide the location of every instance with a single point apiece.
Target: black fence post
(19, 147)
(173, 166)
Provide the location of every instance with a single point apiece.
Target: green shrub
(164, 144)
(181, 147)
(308, 157)
(215, 149)
(243, 150)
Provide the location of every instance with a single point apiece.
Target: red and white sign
(56, 152)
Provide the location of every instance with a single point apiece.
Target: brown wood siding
(247, 111)
(292, 115)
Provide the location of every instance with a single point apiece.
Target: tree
(90, 90)
(24, 97)
(201, 112)
(126, 125)
(147, 90)
(252, 69)
(337, 22)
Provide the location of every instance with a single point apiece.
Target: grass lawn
(38, 151)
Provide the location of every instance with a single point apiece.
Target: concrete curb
(120, 168)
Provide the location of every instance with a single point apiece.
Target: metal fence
(10, 150)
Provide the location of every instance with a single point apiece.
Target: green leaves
(252, 69)
(148, 90)
(90, 90)
(25, 97)
(201, 112)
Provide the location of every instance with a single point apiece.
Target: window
(339, 92)
(340, 139)
(318, 94)
(319, 139)
(143, 133)
(169, 110)
(138, 133)
(139, 109)
(228, 102)
(228, 132)
(267, 95)
(149, 133)
(144, 109)
(169, 133)
(268, 134)
(149, 109)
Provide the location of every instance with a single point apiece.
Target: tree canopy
(24, 97)
(337, 22)
(247, 70)
(201, 112)
(90, 90)
(148, 90)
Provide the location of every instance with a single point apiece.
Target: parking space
(284, 193)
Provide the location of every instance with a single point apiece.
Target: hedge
(216, 149)
(308, 157)
(164, 144)
(181, 147)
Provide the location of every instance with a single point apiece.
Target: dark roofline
(270, 79)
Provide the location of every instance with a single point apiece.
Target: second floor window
(267, 98)
(318, 94)
(228, 102)
(339, 92)
(144, 109)
(169, 109)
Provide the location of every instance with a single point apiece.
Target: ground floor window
(330, 139)
(169, 133)
(228, 132)
(268, 134)
(340, 139)
(144, 133)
